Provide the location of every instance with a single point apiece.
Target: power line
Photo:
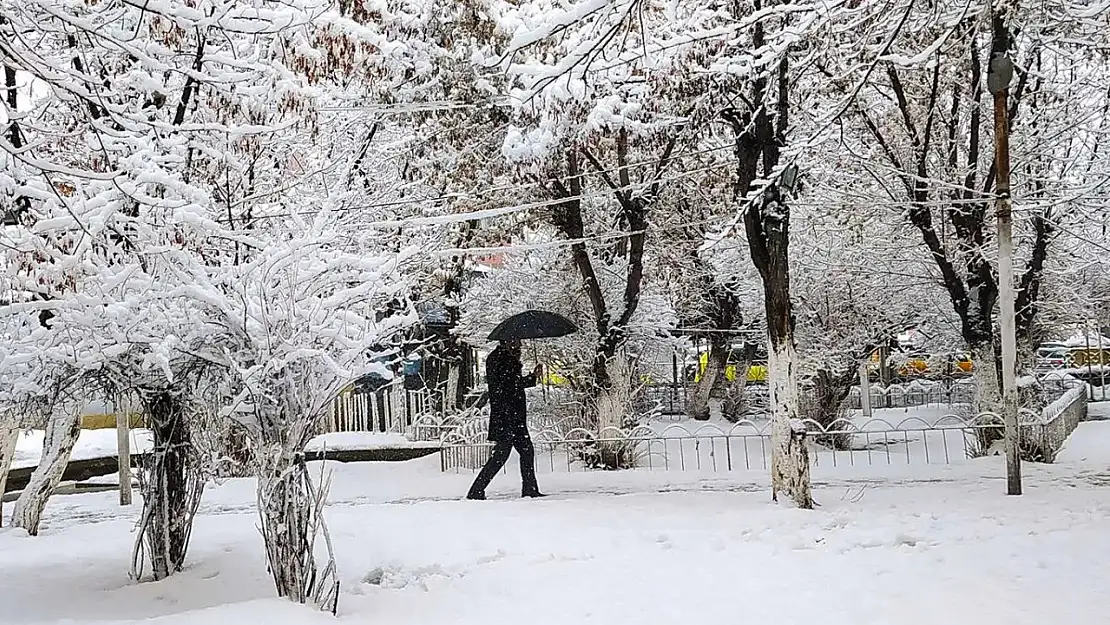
(465, 216)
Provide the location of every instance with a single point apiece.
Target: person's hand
(538, 371)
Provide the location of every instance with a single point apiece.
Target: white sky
(29, 88)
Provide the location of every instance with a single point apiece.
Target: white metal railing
(746, 445)
(913, 394)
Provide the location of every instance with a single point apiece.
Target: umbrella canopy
(533, 324)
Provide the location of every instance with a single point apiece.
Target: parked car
(1051, 358)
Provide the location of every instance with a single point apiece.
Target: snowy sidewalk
(610, 548)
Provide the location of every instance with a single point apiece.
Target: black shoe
(476, 496)
(533, 495)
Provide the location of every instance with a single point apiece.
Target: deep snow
(634, 547)
(901, 545)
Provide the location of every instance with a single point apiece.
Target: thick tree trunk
(789, 454)
(987, 410)
(988, 386)
(8, 439)
(831, 389)
(460, 374)
(172, 483)
(62, 431)
(614, 401)
(290, 509)
(760, 135)
(610, 414)
(768, 241)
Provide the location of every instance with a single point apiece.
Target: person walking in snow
(508, 419)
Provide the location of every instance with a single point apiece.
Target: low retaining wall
(80, 470)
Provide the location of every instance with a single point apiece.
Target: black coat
(508, 410)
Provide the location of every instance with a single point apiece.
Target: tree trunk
(615, 399)
(236, 452)
(988, 387)
(768, 226)
(711, 378)
(172, 483)
(290, 509)
(451, 390)
(829, 392)
(62, 431)
(759, 139)
(789, 454)
(460, 376)
(614, 415)
(735, 406)
(987, 410)
(8, 439)
(466, 376)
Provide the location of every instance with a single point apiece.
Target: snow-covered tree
(170, 140)
(921, 125)
(299, 320)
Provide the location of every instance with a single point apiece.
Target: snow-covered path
(939, 548)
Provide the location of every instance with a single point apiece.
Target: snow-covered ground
(91, 444)
(1090, 443)
(101, 443)
(365, 440)
(943, 546)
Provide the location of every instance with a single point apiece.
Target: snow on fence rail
(914, 394)
(746, 445)
(670, 399)
(1060, 418)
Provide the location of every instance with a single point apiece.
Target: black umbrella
(533, 324)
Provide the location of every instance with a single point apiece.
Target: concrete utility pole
(865, 391)
(123, 448)
(999, 74)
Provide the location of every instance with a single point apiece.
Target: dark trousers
(498, 458)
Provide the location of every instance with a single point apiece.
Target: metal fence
(915, 394)
(391, 409)
(669, 400)
(746, 445)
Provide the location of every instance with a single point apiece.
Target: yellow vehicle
(914, 366)
(552, 377)
(1081, 357)
(107, 420)
(918, 365)
(964, 364)
(756, 373)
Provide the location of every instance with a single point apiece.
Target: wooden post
(864, 391)
(998, 82)
(123, 449)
